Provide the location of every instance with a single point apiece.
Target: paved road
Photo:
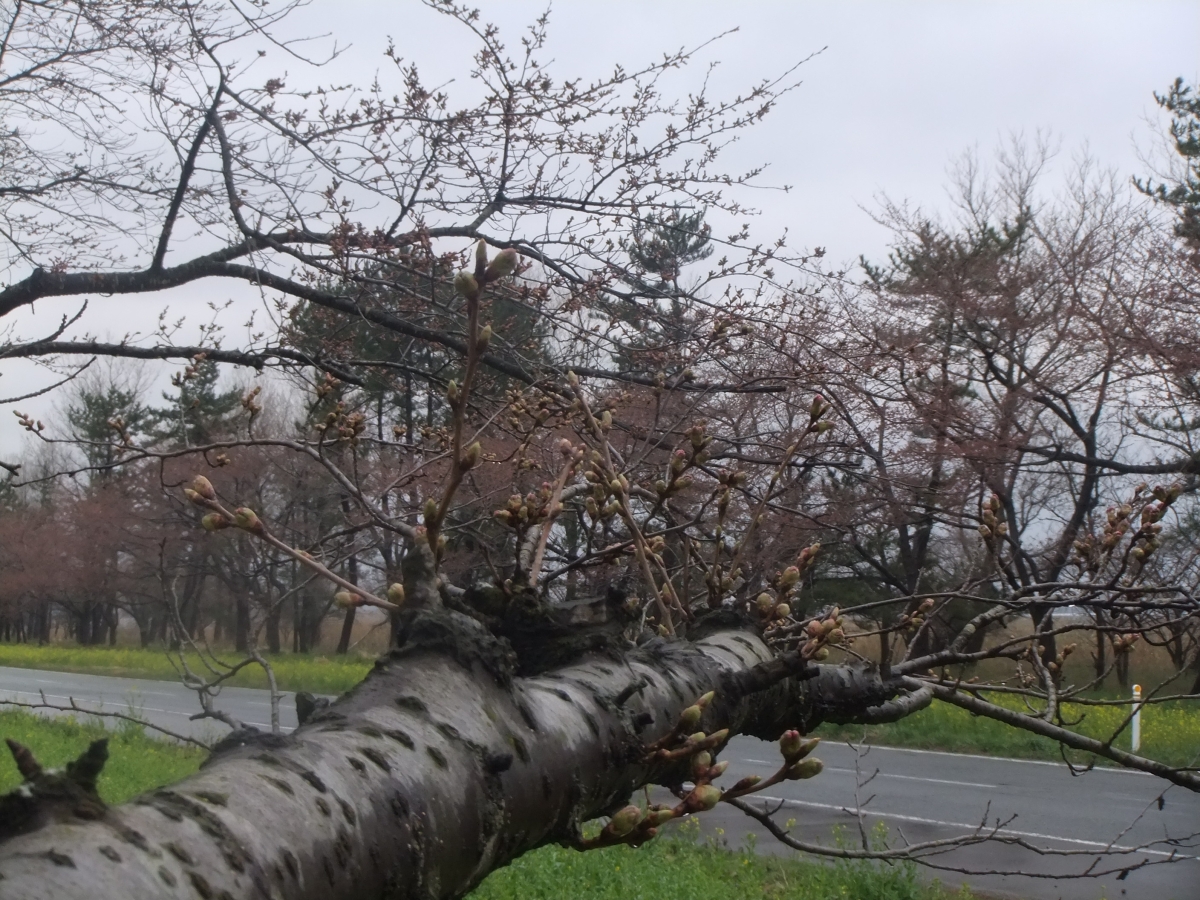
(919, 796)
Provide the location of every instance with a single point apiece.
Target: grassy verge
(678, 867)
(293, 671)
(1170, 732)
(135, 764)
(666, 867)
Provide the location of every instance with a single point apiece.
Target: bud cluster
(634, 826)
(821, 634)
(250, 402)
(775, 606)
(991, 527)
(910, 622)
(1056, 665)
(1091, 553)
(521, 513)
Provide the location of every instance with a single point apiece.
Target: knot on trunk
(55, 795)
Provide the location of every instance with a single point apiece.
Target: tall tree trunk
(241, 634)
(272, 623)
(439, 768)
(348, 622)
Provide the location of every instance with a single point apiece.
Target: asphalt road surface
(919, 796)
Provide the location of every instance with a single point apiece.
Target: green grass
(1170, 732)
(667, 867)
(676, 867)
(135, 764)
(293, 671)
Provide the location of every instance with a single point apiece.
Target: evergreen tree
(197, 413)
(659, 248)
(1184, 195)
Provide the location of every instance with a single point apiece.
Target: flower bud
(782, 611)
(346, 600)
(790, 576)
(465, 284)
(703, 797)
(718, 770)
(452, 392)
(789, 744)
(471, 458)
(706, 699)
(203, 487)
(806, 768)
(659, 817)
(746, 783)
(430, 511)
(395, 593)
(485, 338)
(214, 522)
(690, 718)
(700, 764)
(624, 821)
(504, 264)
(245, 518)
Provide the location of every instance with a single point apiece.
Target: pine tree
(197, 413)
(659, 248)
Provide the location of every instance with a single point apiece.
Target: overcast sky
(901, 90)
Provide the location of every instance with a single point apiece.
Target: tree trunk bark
(343, 645)
(438, 768)
(241, 635)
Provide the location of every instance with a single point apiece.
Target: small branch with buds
(202, 494)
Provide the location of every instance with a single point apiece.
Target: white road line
(1012, 759)
(1099, 845)
(976, 784)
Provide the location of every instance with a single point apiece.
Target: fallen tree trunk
(438, 768)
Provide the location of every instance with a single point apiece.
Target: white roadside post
(1137, 717)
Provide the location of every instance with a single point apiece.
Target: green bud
(703, 797)
(214, 522)
(465, 284)
(795, 747)
(690, 718)
(806, 768)
(700, 764)
(748, 782)
(245, 518)
(395, 593)
(431, 509)
(624, 821)
(504, 264)
(471, 458)
(485, 338)
(659, 817)
(345, 599)
(203, 487)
